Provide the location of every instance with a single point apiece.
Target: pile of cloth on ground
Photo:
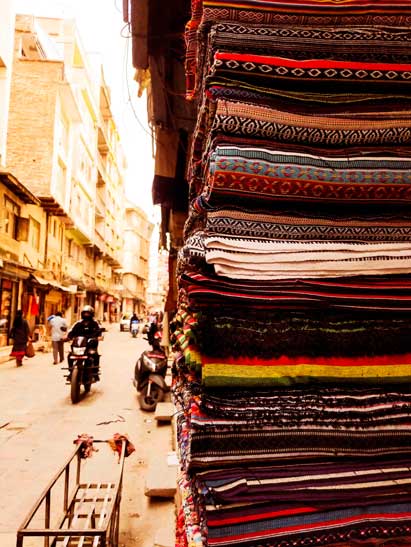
(293, 368)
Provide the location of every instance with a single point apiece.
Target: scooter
(134, 329)
(84, 367)
(149, 375)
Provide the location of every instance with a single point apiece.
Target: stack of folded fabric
(294, 281)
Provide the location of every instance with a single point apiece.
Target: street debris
(120, 419)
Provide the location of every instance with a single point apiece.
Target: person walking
(58, 333)
(20, 332)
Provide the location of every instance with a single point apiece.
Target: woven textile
(258, 173)
(293, 226)
(343, 43)
(227, 334)
(285, 13)
(255, 372)
(356, 294)
(204, 151)
(260, 122)
(275, 259)
(335, 482)
(347, 43)
(293, 367)
(270, 71)
(367, 526)
(293, 524)
(361, 106)
(233, 427)
(294, 348)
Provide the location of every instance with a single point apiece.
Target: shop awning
(14, 270)
(79, 283)
(49, 282)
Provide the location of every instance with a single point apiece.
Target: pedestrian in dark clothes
(20, 332)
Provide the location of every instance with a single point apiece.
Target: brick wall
(30, 139)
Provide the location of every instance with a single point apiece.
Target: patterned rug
(298, 176)
(288, 13)
(309, 74)
(255, 121)
(381, 293)
(386, 226)
(228, 427)
(239, 258)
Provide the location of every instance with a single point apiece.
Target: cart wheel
(75, 386)
(149, 403)
(87, 387)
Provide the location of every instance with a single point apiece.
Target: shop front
(111, 307)
(12, 278)
(8, 305)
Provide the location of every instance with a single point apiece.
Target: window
(11, 213)
(35, 234)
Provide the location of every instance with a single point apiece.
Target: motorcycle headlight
(79, 351)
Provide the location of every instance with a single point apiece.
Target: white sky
(100, 24)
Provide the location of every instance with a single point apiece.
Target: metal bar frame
(107, 536)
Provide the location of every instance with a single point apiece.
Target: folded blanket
(377, 524)
(256, 372)
(229, 427)
(240, 258)
(305, 226)
(286, 73)
(383, 293)
(364, 521)
(261, 122)
(288, 13)
(224, 334)
(332, 482)
(261, 174)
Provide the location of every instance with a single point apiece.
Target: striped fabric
(293, 366)
(255, 372)
(286, 12)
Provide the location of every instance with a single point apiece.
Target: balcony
(103, 140)
(100, 208)
(99, 241)
(103, 176)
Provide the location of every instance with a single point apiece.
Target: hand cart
(90, 512)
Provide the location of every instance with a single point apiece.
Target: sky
(102, 30)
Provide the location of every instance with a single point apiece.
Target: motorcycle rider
(154, 327)
(88, 327)
(134, 319)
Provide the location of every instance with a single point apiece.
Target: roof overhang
(52, 206)
(13, 184)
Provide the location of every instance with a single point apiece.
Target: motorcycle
(134, 329)
(84, 367)
(149, 375)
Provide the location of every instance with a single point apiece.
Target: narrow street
(38, 424)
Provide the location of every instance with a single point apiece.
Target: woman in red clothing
(20, 333)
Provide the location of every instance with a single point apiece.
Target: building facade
(61, 176)
(138, 230)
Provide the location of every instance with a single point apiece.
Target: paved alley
(38, 424)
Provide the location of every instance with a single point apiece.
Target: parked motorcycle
(134, 329)
(84, 367)
(149, 375)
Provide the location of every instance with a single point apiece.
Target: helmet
(87, 311)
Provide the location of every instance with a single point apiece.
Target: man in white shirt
(58, 333)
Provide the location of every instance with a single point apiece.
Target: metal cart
(90, 512)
